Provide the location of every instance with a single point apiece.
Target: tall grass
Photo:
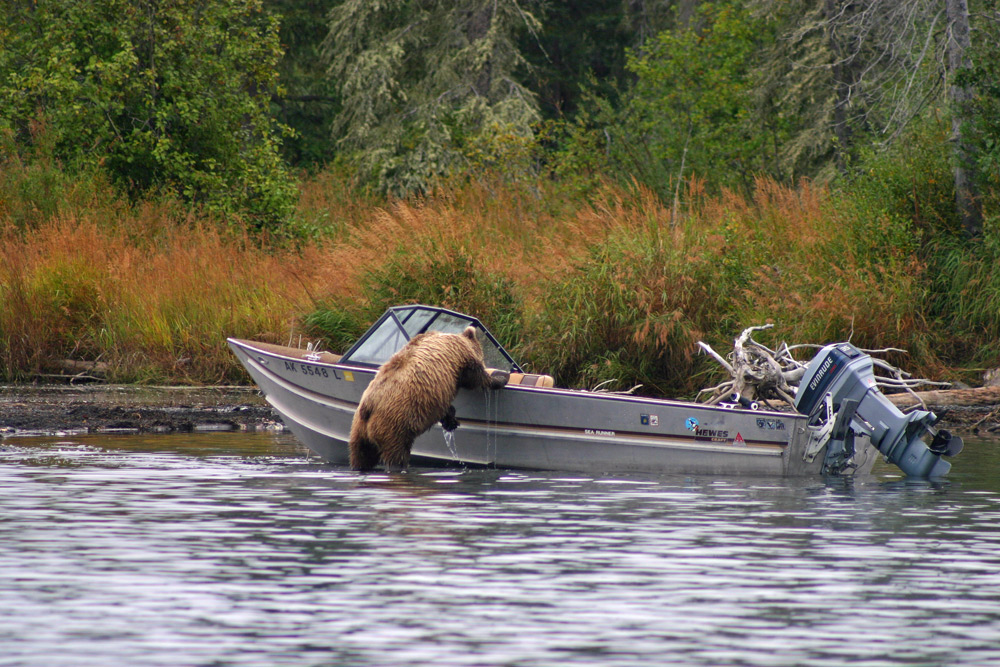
(479, 249)
(150, 288)
(612, 286)
(621, 287)
(155, 312)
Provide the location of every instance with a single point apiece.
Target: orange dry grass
(156, 305)
(807, 267)
(503, 233)
(621, 278)
(330, 203)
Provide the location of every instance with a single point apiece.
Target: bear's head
(477, 349)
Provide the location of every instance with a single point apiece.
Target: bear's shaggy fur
(412, 391)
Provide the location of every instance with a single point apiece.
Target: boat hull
(542, 428)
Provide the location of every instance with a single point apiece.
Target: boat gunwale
(632, 438)
(302, 358)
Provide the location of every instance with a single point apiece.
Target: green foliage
(903, 195)
(171, 94)
(34, 187)
(307, 102)
(983, 77)
(338, 326)
(630, 314)
(691, 102)
(691, 109)
(420, 79)
(967, 290)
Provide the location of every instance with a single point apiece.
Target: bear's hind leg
(361, 449)
(363, 454)
(396, 451)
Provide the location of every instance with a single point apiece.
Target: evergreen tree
(422, 81)
(307, 101)
(864, 70)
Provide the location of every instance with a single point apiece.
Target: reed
(155, 306)
(620, 287)
(611, 286)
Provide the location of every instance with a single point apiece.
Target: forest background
(603, 183)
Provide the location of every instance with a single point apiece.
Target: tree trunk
(959, 44)
(844, 70)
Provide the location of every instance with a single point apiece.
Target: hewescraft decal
(711, 434)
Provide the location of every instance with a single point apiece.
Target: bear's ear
(470, 333)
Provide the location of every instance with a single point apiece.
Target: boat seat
(529, 379)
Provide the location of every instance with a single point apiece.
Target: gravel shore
(101, 408)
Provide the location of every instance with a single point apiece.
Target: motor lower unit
(840, 395)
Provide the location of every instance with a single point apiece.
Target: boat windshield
(400, 324)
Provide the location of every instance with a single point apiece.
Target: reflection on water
(230, 549)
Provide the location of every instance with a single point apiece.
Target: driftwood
(978, 397)
(756, 371)
(72, 370)
(74, 367)
(760, 373)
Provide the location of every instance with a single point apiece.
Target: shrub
(168, 94)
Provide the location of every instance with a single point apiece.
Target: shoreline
(49, 409)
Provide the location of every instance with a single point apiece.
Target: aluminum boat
(531, 424)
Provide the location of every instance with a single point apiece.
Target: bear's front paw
(449, 422)
(498, 379)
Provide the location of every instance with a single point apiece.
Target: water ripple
(230, 549)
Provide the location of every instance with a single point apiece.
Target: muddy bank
(98, 408)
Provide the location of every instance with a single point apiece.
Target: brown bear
(412, 391)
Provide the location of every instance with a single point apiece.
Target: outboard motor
(839, 394)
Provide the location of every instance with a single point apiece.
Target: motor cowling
(847, 375)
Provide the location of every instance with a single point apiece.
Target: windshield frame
(402, 323)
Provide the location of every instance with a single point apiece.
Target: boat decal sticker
(771, 424)
(349, 376)
(701, 433)
(657, 439)
(738, 440)
(715, 435)
(649, 420)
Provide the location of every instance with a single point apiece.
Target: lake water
(237, 549)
